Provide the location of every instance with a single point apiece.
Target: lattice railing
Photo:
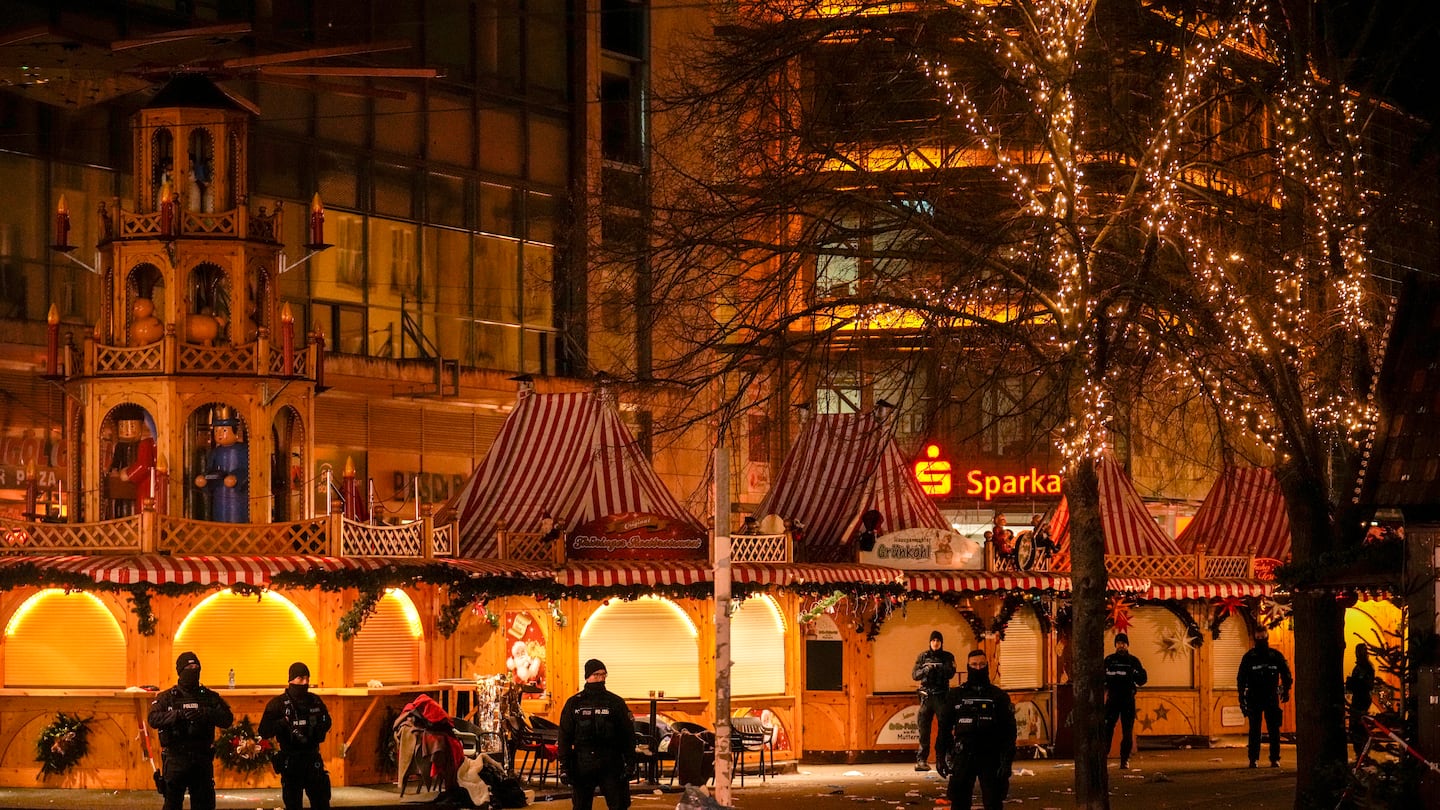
(22, 537)
(1227, 567)
(760, 548)
(138, 226)
(223, 224)
(530, 547)
(148, 359)
(1147, 566)
(366, 540)
(277, 361)
(442, 540)
(182, 536)
(211, 359)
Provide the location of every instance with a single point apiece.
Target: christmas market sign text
(936, 477)
(636, 536)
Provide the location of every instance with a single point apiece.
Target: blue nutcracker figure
(228, 469)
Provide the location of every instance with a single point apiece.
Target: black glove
(1244, 706)
(1285, 696)
(942, 766)
(192, 713)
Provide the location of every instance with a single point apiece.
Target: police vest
(975, 714)
(594, 726)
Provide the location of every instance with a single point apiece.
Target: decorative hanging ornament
(1119, 614)
(1229, 606)
(1273, 613)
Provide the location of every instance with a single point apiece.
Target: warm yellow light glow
(29, 605)
(768, 602)
(299, 614)
(674, 608)
(407, 608)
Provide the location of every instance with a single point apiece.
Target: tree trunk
(1087, 641)
(1321, 747)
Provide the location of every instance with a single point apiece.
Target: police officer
(597, 742)
(933, 669)
(299, 721)
(1124, 675)
(1264, 681)
(186, 715)
(977, 737)
(1360, 686)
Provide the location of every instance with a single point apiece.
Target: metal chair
(749, 734)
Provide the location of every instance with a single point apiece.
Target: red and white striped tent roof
(841, 466)
(566, 454)
(1129, 529)
(1243, 513)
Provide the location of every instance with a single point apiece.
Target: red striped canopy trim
(1207, 588)
(841, 466)
(1243, 513)
(256, 570)
(982, 581)
(568, 455)
(786, 575)
(1129, 529)
(652, 572)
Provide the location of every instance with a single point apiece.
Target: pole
(724, 760)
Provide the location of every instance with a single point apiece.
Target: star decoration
(1169, 645)
(1119, 612)
(1147, 723)
(1272, 613)
(1161, 713)
(1229, 606)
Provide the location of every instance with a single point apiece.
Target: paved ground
(1199, 778)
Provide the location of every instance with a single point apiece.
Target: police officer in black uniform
(186, 715)
(977, 737)
(933, 669)
(1264, 681)
(1124, 675)
(299, 721)
(597, 742)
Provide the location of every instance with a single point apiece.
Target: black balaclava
(298, 670)
(979, 676)
(187, 670)
(1262, 641)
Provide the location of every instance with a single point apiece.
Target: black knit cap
(936, 635)
(298, 670)
(593, 666)
(1121, 638)
(185, 660)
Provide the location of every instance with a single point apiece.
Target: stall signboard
(928, 549)
(901, 729)
(637, 536)
(525, 650)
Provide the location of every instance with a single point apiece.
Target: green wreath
(62, 744)
(240, 748)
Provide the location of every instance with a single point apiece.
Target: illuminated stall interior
(258, 638)
(59, 638)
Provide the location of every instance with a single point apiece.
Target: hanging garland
(825, 604)
(62, 744)
(977, 627)
(241, 749)
(354, 616)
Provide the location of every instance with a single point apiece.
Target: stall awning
(1243, 513)
(1207, 588)
(800, 574)
(986, 581)
(620, 573)
(256, 570)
